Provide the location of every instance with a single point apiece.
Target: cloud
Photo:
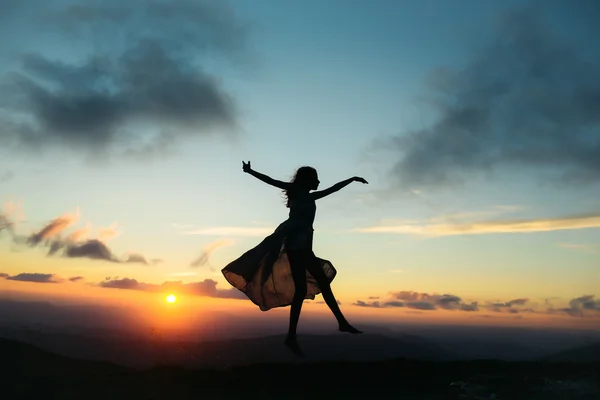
(514, 306)
(3, 275)
(5, 223)
(585, 248)
(322, 302)
(580, 307)
(134, 77)
(431, 228)
(231, 231)
(10, 214)
(35, 277)
(529, 101)
(378, 304)
(425, 301)
(207, 288)
(420, 305)
(6, 176)
(73, 245)
(136, 258)
(473, 306)
(108, 233)
(93, 249)
(53, 228)
(204, 257)
(76, 278)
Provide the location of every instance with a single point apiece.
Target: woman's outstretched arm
(267, 179)
(322, 193)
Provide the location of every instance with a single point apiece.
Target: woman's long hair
(300, 182)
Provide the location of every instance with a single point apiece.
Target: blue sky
(465, 117)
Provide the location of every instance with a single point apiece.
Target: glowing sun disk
(171, 298)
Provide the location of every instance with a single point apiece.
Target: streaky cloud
(431, 228)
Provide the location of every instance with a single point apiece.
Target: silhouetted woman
(283, 270)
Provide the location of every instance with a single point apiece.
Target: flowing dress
(263, 273)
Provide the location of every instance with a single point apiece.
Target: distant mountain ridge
(141, 353)
(38, 374)
(588, 353)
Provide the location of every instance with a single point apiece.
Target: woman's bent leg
(315, 270)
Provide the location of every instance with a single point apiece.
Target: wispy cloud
(54, 227)
(585, 248)
(230, 231)
(436, 227)
(204, 257)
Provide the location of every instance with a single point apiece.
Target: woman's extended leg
(297, 264)
(315, 270)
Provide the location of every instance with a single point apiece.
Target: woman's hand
(359, 179)
(246, 166)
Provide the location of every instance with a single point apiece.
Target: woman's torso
(302, 210)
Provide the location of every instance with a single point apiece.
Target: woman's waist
(303, 225)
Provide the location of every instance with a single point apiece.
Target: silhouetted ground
(32, 373)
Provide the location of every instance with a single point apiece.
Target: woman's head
(305, 179)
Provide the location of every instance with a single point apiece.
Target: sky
(476, 123)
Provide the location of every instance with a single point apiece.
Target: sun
(171, 298)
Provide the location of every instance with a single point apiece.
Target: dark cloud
(124, 283)
(35, 277)
(136, 258)
(394, 304)
(93, 249)
(207, 288)
(512, 306)
(360, 303)
(3, 275)
(76, 278)
(426, 301)
(583, 306)
(144, 70)
(530, 100)
(474, 306)
(580, 307)
(378, 304)
(420, 305)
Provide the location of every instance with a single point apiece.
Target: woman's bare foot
(292, 344)
(349, 328)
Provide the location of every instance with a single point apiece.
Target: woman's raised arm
(266, 179)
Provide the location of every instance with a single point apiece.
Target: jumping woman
(283, 270)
